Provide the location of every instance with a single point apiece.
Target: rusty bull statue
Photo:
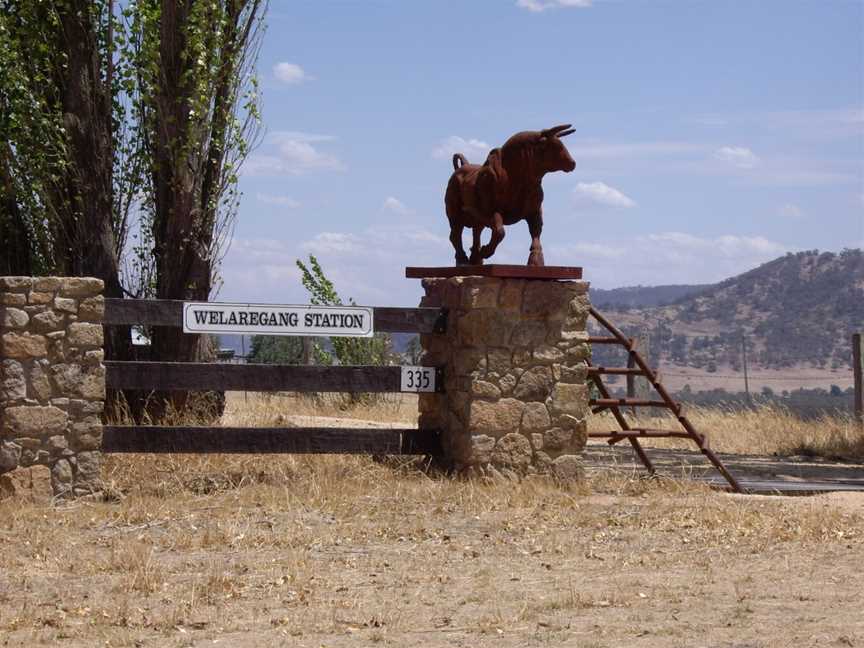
(504, 190)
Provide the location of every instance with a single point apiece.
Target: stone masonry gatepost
(514, 358)
(52, 378)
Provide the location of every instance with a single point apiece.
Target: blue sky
(710, 136)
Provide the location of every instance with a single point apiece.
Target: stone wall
(514, 357)
(52, 380)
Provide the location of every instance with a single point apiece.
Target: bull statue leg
(497, 236)
(456, 240)
(535, 227)
(476, 256)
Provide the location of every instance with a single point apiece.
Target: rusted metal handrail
(614, 404)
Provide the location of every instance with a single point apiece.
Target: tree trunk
(90, 247)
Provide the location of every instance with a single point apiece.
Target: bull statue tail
(459, 160)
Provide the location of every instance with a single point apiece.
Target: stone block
(34, 457)
(96, 407)
(13, 299)
(577, 373)
(495, 418)
(47, 322)
(46, 284)
(545, 298)
(557, 438)
(510, 296)
(528, 333)
(16, 284)
(513, 451)
(86, 436)
(23, 345)
(13, 318)
(92, 309)
(81, 334)
(34, 421)
(40, 385)
(568, 468)
(10, 456)
(506, 383)
(481, 448)
(61, 477)
(534, 384)
(89, 464)
(57, 443)
(577, 353)
(498, 360)
(484, 389)
(569, 399)
(13, 382)
(65, 305)
(74, 380)
(546, 354)
(81, 287)
(485, 327)
(477, 292)
(535, 417)
(468, 361)
(40, 298)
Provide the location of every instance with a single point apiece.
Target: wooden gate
(192, 376)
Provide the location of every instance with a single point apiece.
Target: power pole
(858, 372)
(746, 377)
(638, 386)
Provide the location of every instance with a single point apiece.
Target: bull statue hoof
(536, 258)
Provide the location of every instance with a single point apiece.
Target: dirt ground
(345, 551)
(334, 551)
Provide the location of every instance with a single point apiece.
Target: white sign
(418, 379)
(268, 319)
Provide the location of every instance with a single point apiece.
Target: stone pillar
(52, 380)
(514, 354)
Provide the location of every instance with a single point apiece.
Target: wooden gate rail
(167, 312)
(244, 440)
(201, 376)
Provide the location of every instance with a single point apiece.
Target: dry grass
(345, 551)
(764, 431)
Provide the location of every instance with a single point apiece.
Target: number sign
(418, 379)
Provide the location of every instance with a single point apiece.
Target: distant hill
(797, 311)
(639, 296)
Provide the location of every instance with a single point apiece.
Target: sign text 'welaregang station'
(261, 319)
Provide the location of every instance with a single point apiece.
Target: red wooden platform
(497, 270)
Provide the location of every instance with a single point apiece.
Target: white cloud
(599, 193)
(282, 201)
(543, 5)
(290, 73)
(473, 149)
(667, 258)
(334, 243)
(396, 206)
(738, 156)
(790, 210)
(261, 271)
(295, 153)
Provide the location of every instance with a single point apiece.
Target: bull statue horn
(550, 132)
(567, 132)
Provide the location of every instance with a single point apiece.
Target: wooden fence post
(858, 372)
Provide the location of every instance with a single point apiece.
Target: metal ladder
(607, 402)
